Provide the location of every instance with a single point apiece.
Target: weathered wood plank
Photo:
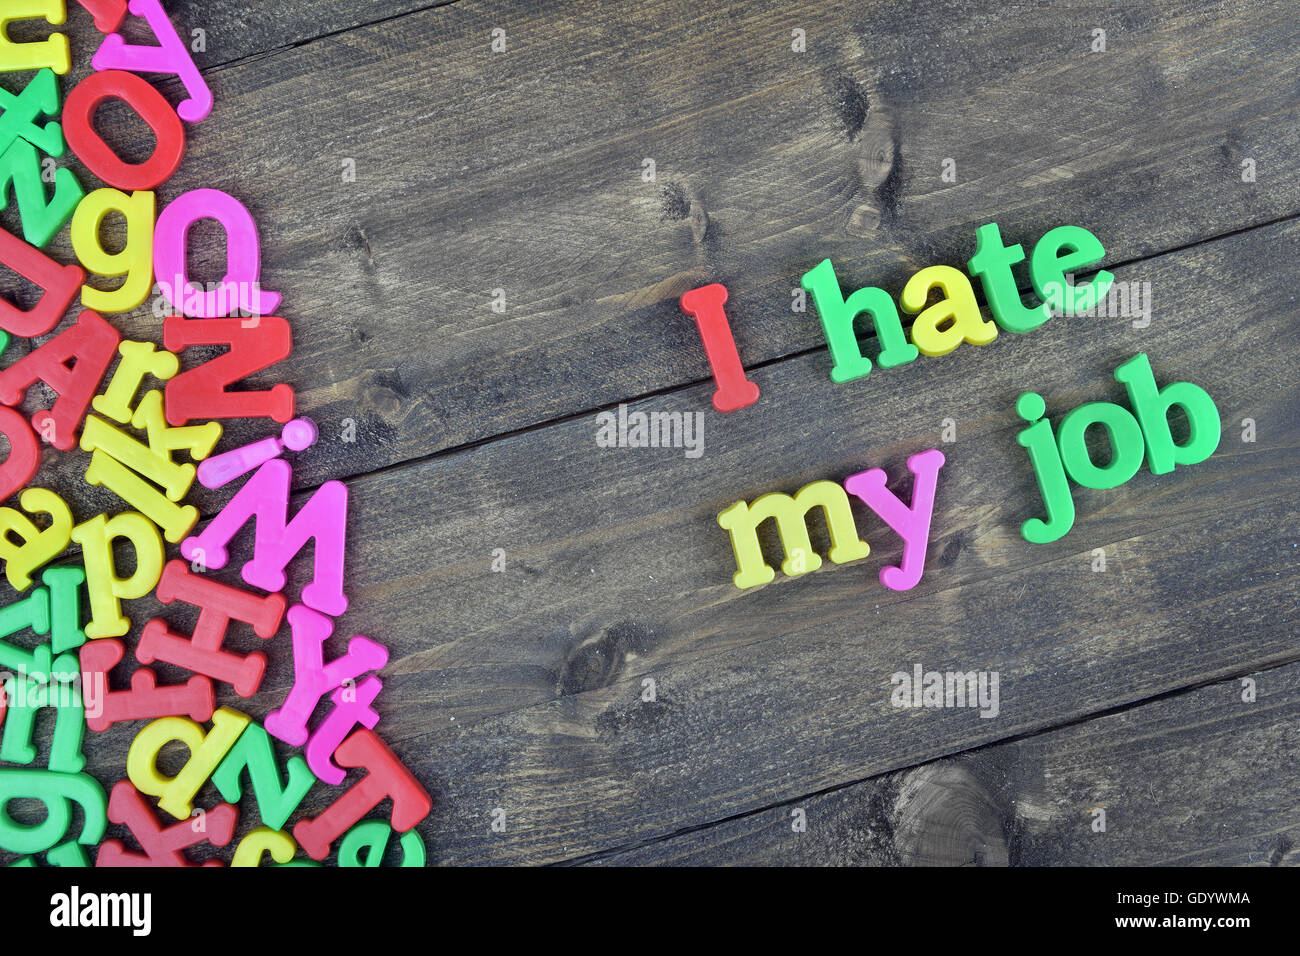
(236, 30)
(1202, 777)
(479, 171)
(521, 689)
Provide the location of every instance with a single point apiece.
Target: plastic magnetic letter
(240, 290)
(196, 440)
(222, 469)
(838, 315)
(20, 166)
(70, 854)
(108, 14)
(55, 689)
(40, 97)
(121, 462)
(206, 751)
(351, 707)
(704, 305)
(1048, 268)
(1151, 406)
(992, 263)
(276, 800)
(134, 262)
(265, 499)
(106, 471)
(52, 53)
(200, 393)
(58, 285)
(312, 677)
(150, 105)
(58, 791)
(1125, 441)
(31, 613)
(162, 847)
(104, 587)
(385, 777)
(951, 321)
(35, 547)
(170, 55)
(201, 651)
(145, 700)
(912, 523)
(92, 342)
(64, 584)
(741, 521)
(24, 458)
(138, 360)
(365, 843)
(264, 840)
(1045, 457)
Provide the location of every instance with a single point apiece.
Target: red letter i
(704, 305)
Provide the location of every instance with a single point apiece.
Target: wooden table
(570, 659)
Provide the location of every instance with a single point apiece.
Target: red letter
(93, 343)
(145, 700)
(24, 453)
(201, 392)
(202, 652)
(162, 847)
(58, 284)
(386, 777)
(704, 305)
(98, 156)
(108, 14)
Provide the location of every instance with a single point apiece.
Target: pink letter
(265, 498)
(240, 288)
(170, 56)
(312, 677)
(351, 707)
(912, 524)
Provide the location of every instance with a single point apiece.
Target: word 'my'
(912, 523)
(1142, 434)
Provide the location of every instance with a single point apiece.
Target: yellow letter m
(791, 514)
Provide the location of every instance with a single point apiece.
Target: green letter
(992, 262)
(1047, 268)
(1151, 405)
(253, 750)
(838, 315)
(1125, 443)
(1052, 484)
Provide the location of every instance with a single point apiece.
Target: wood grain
(521, 171)
(521, 689)
(1196, 778)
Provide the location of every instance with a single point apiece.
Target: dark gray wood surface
(521, 690)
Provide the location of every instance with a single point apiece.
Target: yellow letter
(52, 53)
(206, 752)
(264, 840)
(954, 319)
(138, 359)
(105, 588)
(135, 261)
(38, 547)
(742, 521)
